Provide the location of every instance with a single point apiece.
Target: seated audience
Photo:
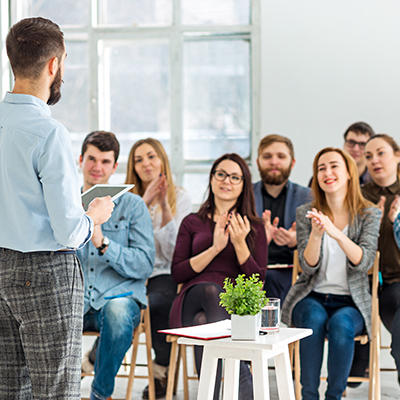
(148, 168)
(277, 199)
(383, 157)
(116, 264)
(223, 239)
(355, 138)
(337, 239)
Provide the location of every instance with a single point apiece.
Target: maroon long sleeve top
(196, 236)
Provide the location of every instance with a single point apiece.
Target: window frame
(176, 34)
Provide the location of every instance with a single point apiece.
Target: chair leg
(297, 370)
(131, 376)
(185, 372)
(178, 364)
(149, 345)
(172, 371)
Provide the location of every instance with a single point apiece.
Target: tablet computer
(102, 190)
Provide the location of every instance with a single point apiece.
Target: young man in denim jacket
(116, 264)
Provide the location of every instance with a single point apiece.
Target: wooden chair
(374, 371)
(178, 353)
(143, 327)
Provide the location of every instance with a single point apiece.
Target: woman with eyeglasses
(225, 238)
(382, 155)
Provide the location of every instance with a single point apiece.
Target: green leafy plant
(246, 297)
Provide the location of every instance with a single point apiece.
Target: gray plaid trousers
(41, 317)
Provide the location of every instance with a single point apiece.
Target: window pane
(139, 90)
(72, 110)
(216, 99)
(196, 185)
(135, 13)
(63, 12)
(216, 12)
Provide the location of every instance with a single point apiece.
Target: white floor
(390, 387)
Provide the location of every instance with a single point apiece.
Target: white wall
(325, 65)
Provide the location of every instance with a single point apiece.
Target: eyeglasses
(221, 175)
(353, 143)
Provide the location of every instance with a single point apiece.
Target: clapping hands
(394, 207)
(322, 223)
(157, 189)
(281, 236)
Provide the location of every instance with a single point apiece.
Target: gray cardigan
(363, 231)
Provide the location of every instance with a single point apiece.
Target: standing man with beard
(43, 223)
(276, 202)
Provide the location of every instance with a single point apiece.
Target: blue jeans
(116, 322)
(337, 318)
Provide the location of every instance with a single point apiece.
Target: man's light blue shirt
(40, 204)
(124, 268)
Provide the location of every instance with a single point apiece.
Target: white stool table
(258, 352)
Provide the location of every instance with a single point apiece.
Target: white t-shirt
(332, 275)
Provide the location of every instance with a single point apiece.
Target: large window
(185, 72)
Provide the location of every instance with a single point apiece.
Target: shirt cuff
(90, 233)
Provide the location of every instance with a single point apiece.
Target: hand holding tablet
(102, 190)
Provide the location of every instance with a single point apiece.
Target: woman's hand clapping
(322, 223)
(238, 228)
(157, 189)
(221, 234)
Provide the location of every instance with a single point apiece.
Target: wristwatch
(106, 242)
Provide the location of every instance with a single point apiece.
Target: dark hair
(359, 128)
(270, 139)
(31, 43)
(245, 204)
(355, 201)
(104, 141)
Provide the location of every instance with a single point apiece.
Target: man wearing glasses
(355, 138)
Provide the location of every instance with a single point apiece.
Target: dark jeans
(278, 282)
(389, 306)
(161, 291)
(389, 310)
(337, 318)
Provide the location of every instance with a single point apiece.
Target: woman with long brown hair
(336, 240)
(148, 168)
(225, 238)
(382, 154)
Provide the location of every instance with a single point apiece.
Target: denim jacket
(129, 258)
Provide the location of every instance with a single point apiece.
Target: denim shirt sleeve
(131, 251)
(396, 229)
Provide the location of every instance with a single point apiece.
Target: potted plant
(244, 300)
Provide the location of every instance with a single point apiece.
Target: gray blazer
(363, 231)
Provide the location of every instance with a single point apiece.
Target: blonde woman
(337, 240)
(149, 169)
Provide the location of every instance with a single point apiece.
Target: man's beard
(274, 179)
(55, 89)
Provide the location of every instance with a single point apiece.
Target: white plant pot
(245, 327)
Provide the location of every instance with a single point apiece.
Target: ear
(114, 169)
(53, 65)
(80, 161)
(258, 164)
(293, 162)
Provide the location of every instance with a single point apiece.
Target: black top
(277, 254)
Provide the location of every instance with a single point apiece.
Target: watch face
(106, 241)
